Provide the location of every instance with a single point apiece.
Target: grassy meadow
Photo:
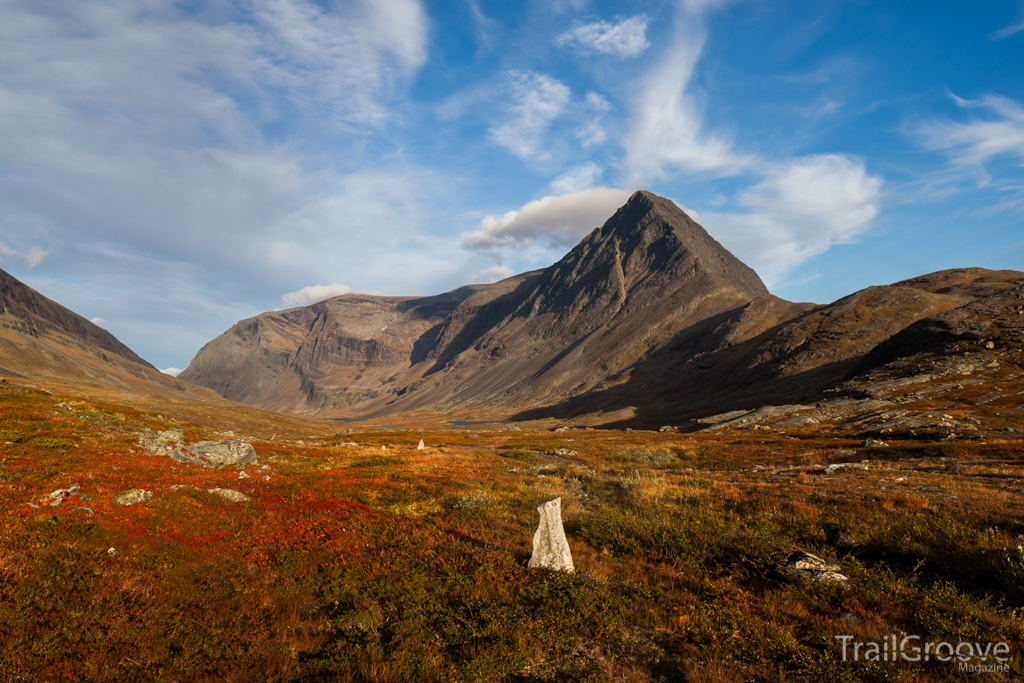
(362, 563)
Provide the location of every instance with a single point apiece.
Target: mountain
(40, 339)
(647, 320)
(630, 285)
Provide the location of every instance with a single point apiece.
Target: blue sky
(169, 168)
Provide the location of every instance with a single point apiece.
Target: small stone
(667, 428)
(243, 475)
(835, 467)
(420, 446)
(990, 345)
(565, 429)
(564, 451)
(513, 428)
(229, 494)
(874, 443)
(550, 547)
(803, 566)
(133, 497)
(112, 552)
(383, 447)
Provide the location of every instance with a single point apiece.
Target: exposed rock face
(550, 547)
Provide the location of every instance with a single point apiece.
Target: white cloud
(493, 274)
(563, 220)
(32, 258)
(314, 293)
(800, 209)
(173, 372)
(625, 39)
(973, 143)
(1007, 31)
(538, 99)
(35, 256)
(576, 179)
(97, 321)
(667, 133)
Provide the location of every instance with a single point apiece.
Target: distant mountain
(41, 339)
(647, 319)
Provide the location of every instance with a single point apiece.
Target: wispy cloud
(625, 39)
(32, 258)
(173, 372)
(1007, 31)
(973, 143)
(537, 100)
(800, 209)
(577, 179)
(667, 133)
(562, 220)
(97, 321)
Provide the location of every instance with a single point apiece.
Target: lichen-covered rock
(229, 494)
(234, 452)
(162, 443)
(803, 566)
(133, 497)
(550, 547)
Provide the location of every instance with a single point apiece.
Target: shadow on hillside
(698, 374)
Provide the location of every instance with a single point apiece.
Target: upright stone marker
(420, 446)
(550, 547)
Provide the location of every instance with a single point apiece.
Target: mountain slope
(40, 339)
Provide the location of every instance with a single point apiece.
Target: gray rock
(234, 452)
(134, 496)
(803, 566)
(513, 428)
(112, 552)
(162, 443)
(229, 494)
(874, 443)
(550, 547)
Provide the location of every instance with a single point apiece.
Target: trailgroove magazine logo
(973, 657)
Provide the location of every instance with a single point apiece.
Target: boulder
(803, 566)
(234, 452)
(550, 547)
(134, 496)
(835, 467)
(162, 443)
(420, 446)
(229, 494)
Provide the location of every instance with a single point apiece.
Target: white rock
(134, 496)
(835, 467)
(230, 494)
(807, 567)
(550, 547)
(420, 446)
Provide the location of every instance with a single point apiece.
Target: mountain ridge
(648, 317)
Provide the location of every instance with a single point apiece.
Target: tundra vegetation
(349, 562)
